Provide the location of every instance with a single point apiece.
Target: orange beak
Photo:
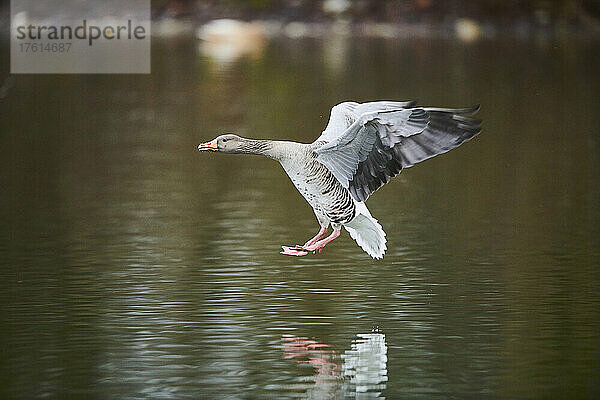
(208, 146)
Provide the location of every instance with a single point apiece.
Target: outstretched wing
(378, 144)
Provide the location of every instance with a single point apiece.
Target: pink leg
(318, 246)
(299, 251)
(314, 240)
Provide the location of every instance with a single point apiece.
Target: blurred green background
(133, 266)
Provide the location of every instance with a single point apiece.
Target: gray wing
(376, 146)
(345, 114)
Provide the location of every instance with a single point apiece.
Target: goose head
(228, 143)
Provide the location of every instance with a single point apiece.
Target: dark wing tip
(466, 111)
(412, 103)
(475, 109)
(461, 111)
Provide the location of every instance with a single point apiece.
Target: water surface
(133, 266)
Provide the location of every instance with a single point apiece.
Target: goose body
(363, 146)
(331, 202)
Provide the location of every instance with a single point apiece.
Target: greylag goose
(363, 146)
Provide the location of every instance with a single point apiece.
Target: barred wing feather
(375, 146)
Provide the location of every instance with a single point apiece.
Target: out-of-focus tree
(541, 11)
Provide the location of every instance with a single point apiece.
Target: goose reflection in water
(359, 372)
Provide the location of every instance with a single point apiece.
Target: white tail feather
(367, 232)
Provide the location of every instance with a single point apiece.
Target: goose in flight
(363, 146)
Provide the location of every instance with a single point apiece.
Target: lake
(135, 267)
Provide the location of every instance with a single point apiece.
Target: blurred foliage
(536, 10)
